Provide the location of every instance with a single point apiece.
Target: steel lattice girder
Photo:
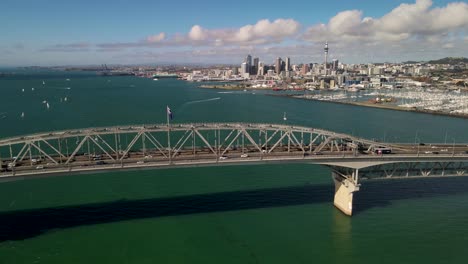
(108, 139)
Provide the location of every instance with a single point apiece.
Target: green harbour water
(232, 214)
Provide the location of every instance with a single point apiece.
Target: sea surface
(238, 214)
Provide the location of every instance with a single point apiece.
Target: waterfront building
(270, 73)
(341, 79)
(244, 69)
(287, 64)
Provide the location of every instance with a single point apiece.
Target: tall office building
(248, 61)
(335, 64)
(305, 68)
(244, 68)
(261, 69)
(278, 64)
(287, 65)
(255, 66)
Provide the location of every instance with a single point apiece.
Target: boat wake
(203, 101)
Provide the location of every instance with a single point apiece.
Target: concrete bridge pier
(345, 186)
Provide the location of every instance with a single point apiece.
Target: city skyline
(84, 33)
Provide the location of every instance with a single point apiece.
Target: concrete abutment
(345, 186)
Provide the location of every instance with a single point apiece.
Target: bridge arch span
(133, 147)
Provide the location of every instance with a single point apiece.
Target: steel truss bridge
(351, 159)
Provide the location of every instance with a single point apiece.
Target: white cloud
(156, 38)
(197, 33)
(264, 31)
(404, 22)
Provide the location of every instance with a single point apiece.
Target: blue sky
(95, 32)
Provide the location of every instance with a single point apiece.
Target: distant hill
(449, 60)
(412, 62)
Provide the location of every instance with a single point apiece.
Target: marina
(450, 103)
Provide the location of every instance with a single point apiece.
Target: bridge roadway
(350, 158)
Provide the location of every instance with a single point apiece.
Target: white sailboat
(22, 115)
(48, 106)
(32, 89)
(284, 116)
(43, 83)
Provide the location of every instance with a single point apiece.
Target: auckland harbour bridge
(351, 159)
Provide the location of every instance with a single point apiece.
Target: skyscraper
(305, 68)
(278, 65)
(287, 66)
(244, 68)
(261, 69)
(255, 66)
(248, 61)
(335, 64)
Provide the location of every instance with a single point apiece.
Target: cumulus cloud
(264, 31)
(404, 22)
(197, 33)
(156, 38)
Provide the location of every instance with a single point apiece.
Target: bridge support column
(345, 186)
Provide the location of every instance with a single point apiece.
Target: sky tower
(326, 57)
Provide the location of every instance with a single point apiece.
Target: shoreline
(230, 87)
(380, 106)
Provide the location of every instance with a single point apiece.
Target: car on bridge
(382, 150)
